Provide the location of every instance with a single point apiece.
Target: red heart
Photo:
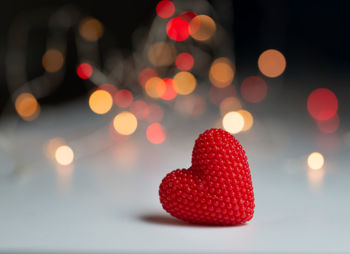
(217, 189)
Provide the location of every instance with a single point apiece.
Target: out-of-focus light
(248, 119)
(155, 133)
(272, 63)
(322, 104)
(140, 109)
(217, 95)
(156, 113)
(253, 89)
(161, 54)
(51, 146)
(230, 104)
(109, 88)
(165, 9)
(125, 123)
(184, 61)
(145, 75)
(100, 102)
(233, 122)
(123, 98)
(84, 70)
(27, 106)
(178, 29)
(330, 125)
(221, 72)
(315, 161)
(64, 155)
(155, 87)
(52, 60)
(184, 83)
(91, 29)
(169, 93)
(188, 16)
(202, 28)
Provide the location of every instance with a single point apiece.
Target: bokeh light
(109, 88)
(272, 63)
(202, 28)
(315, 161)
(248, 119)
(221, 72)
(145, 75)
(52, 60)
(84, 70)
(51, 146)
(91, 29)
(230, 104)
(156, 113)
(322, 104)
(27, 106)
(184, 83)
(165, 9)
(100, 102)
(187, 16)
(140, 109)
(161, 54)
(170, 92)
(217, 95)
(253, 89)
(125, 123)
(155, 133)
(330, 125)
(155, 87)
(178, 29)
(184, 61)
(233, 122)
(123, 98)
(64, 155)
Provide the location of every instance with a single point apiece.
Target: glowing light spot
(161, 54)
(169, 93)
(140, 109)
(52, 60)
(330, 125)
(178, 29)
(216, 95)
(165, 9)
(64, 155)
(51, 146)
(155, 133)
(91, 29)
(233, 122)
(145, 75)
(184, 83)
(202, 28)
(230, 104)
(184, 61)
(315, 161)
(155, 87)
(253, 89)
(248, 119)
(123, 98)
(156, 113)
(84, 70)
(221, 72)
(187, 16)
(322, 104)
(272, 63)
(125, 123)
(100, 102)
(27, 106)
(109, 88)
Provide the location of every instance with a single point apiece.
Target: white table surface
(110, 202)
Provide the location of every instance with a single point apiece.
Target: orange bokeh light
(169, 93)
(100, 102)
(91, 29)
(155, 133)
(272, 63)
(221, 72)
(253, 89)
(155, 87)
(202, 28)
(161, 54)
(184, 82)
(52, 60)
(27, 106)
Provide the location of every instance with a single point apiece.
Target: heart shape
(217, 189)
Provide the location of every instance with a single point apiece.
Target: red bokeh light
(330, 125)
(123, 98)
(145, 75)
(322, 104)
(165, 9)
(84, 70)
(184, 61)
(217, 95)
(155, 133)
(178, 29)
(140, 109)
(156, 113)
(109, 88)
(253, 89)
(188, 16)
(169, 93)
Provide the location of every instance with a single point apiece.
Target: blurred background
(94, 93)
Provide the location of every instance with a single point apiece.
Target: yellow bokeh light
(230, 104)
(272, 63)
(248, 119)
(100, 102)
(202, 28)
(125, 123)
(52, 60)
(184, 82)
(27, 106)
(161, 54)
(233, 122)
(64, 155)
(315, 161)
(221, 72)
(91, 29)
(155, 87)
